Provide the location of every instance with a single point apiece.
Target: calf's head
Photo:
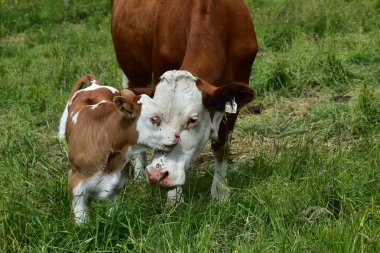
(195, 109)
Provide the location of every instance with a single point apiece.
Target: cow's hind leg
(221, 149)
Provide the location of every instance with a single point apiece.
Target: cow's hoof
(221, 194)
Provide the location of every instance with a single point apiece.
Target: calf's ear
(124, 107)
(217, 97)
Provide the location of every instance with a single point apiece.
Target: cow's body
(214, 40)
(103, 128)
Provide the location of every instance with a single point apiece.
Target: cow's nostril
(177, 135)
(166, 173)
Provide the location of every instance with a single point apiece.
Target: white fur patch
(215, 123)
(179, 99)
(93, 86)
(170, 76)
(125, 80)
(101, 185)
(231, 106)
(97, 104)
(74, 119)
(62, 123)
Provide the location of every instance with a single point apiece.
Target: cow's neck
(205, 55)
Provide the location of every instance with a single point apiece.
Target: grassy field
(304, 172)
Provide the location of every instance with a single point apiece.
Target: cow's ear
(218, 97)
(124, 107)
(147, 91)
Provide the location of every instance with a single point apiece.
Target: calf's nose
(177, 138)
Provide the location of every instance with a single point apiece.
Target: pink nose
(177, 138)
(156, 175)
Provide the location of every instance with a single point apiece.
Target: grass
(304, 173)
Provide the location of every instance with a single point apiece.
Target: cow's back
(213, 39)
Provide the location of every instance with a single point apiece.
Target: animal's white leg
(125, 80)
(79, 203)
(115, 196)
(175, 196)
(140, 163)
(112, 208)
(219, 189)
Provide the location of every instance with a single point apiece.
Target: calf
(103, 128)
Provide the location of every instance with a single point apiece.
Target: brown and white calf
(213, 45)
(103, 128)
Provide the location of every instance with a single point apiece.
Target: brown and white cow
(103, 128)
(212, 44)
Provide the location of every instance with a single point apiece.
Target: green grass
(304, 173)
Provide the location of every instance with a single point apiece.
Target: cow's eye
(155, 120)
(192, 121)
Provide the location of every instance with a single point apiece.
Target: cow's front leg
(219, 189)
(174, 197)
(140, 164)
(221, 150)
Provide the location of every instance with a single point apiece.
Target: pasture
(305, 163)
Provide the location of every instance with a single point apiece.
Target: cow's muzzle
(155, 175)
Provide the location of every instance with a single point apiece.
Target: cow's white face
(194, 108)
(182, 106)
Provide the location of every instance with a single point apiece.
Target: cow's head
(152, 130)
(194, 108)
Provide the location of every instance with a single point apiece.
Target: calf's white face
(152, 131)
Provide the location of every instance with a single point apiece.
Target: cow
(104, 128)
(198, 56)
